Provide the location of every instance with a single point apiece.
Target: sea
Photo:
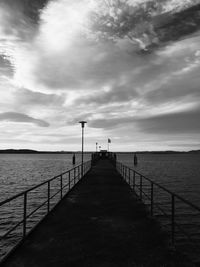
(179, 173)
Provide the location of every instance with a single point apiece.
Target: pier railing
(38, 200)
(179, 216)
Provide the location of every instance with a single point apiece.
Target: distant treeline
(163, 152)
(30, 151)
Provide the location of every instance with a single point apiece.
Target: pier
(100, 222)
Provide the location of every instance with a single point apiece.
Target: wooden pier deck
(100, 223)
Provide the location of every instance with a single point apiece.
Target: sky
(130, 68)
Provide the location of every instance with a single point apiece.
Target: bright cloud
(67, 67)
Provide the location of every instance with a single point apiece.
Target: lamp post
(82, 126)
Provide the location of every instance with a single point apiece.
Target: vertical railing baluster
(173, 218)
(69, 179)
(152, 198)
(61, 186)
(134, 180)
(48, 197)
(141, 187)
(74, 176)
(125, 173)
(129, 176)
(25, 211)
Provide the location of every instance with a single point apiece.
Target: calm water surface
(22, 171)
(19, 172)
(179, 173)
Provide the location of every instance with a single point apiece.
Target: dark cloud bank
(19, 117)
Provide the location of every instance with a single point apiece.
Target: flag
(109, 141)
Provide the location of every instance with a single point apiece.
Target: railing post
(61, 186)
(25, 210)
(79, 174)
(69, 180)
(74, 176)
(173, 218)
(129, 176)
(134, 180)
(152, 199)
(125, 173)
(84, 168)
(48, 197)
(141, 187)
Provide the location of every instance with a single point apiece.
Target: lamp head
(82, 123)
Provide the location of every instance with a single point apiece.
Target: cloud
(5, 67)
(175, 123)
(27, 97)
(51, 68)
(109, 123)
(19, 117)
(29, 8)
(62, 56)
(110, 94)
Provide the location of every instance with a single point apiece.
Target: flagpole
(109, 141)
(96, 147)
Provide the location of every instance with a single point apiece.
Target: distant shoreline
(30, 151)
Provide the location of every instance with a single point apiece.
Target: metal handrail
(163, 188)
(38, 185)
(130, 176)
(73, 177)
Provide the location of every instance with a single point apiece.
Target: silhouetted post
(82, 126)
(135, 159)
(96, 146)
(74, 159)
